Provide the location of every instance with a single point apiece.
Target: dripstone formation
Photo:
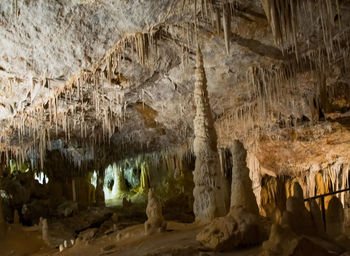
(210, 187)
(242, 226)
(155, 222)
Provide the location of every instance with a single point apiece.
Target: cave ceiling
(101, 78)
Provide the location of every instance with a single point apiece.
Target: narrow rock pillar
(241, 187)
(210, 184)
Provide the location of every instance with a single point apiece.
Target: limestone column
(241, 187)
(210, 184)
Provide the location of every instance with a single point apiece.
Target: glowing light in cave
(41, 177)
(110, 184)
(93, 180)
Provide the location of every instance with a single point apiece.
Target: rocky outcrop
(239, 228)
(155, 222)
(283, 241)
(302, 232)
(210, 187)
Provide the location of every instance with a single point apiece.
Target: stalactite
(226, 20)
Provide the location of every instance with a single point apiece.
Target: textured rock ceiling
(118, 75)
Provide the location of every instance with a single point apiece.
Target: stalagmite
(241, 186)
(155, 222)
(296, 215)
(226, 20)
(210, 187)
(335, 218)
(45, 231)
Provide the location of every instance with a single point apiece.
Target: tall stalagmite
(241, 188)
(210, 186)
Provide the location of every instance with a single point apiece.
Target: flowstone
(155, 222)
(210, 186)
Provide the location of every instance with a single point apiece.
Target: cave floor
(178, 240)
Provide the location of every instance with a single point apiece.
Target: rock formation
(210, 187)
(296, 215)
(45, 231)
(155, 222)
(242, 226)
(239, 228)
(316, 216)
(335, 218)
(283, 241)
(91, 86)
(241, 187)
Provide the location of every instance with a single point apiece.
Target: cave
(175, 127)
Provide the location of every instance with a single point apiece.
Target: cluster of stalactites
(273, 95)
(285, 18)
(219, 15)
(68, 108)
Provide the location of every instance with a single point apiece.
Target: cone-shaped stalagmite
(241, 188)
(210, 186)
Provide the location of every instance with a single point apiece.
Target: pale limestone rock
(238, 228)
(61, 248)
(45, 231)
(241, 187)
(335, 218)
(242, 225)
(210, 185)
(155, 222)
